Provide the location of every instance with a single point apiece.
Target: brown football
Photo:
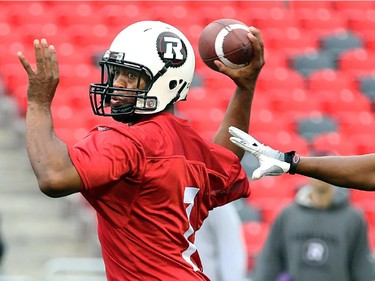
(225, 40)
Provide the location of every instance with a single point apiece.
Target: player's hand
(43, 80)
(271, 162)
(245, 77)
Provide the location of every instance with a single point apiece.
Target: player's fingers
(258, 34)
(46, 55)
(38, 54)
(255, 37)
(54, 62)
(257, 44)
(222, 67)
(26, 65)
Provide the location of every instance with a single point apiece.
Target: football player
(149, 176)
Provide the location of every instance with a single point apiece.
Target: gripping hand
(271, 162)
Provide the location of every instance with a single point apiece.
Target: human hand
(43, 80)
(245, 77)
(272, 162)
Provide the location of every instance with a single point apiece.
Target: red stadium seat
(363, 141)
(280, 78)
(19, 13)
(208, 11)
(309, 5)
(271, 188)
(274, 18)
(321, 19)
(290, 39)
(334, 142)
(255, 234)
(264, 120)
(357, 62)
(346, 101)
(329, 79)
(261, 5)
(282, 140)
(347, 6)
(363, 21)
(354, 123)
(368, 37)
(67, 13)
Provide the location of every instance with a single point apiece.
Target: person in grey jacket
(221, 245)
(320, 236)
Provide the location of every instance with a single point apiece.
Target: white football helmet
(156, 49)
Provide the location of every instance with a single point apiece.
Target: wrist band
(293, 159)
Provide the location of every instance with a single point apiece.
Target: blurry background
(316, 89)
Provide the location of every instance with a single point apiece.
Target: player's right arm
(239, 108)
(48, 155)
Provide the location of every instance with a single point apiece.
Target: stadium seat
(264, 120)
(208, 11)
(367, 86)
(353, 123)
(335, 142)
(343, 101)
(290, 40)
(347, 6)
(362, 199)
(68, 13)
(308, 5)
(363, 21)
(20, 13)
(330, 80)
(308, 63)
(320, 19)
(363, 141)
(357, 62)
(309, 128)
(270, 208)
(255, 234)
(368, 37)
(338, 43)
(304, 104)
(283, 141)
(280, 78)
(271, 188)
(261, 5)
(275, 18)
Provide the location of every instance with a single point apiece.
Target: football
(225, 40)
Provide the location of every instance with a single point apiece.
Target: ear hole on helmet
(172, 84)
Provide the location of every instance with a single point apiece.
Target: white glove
(271, 162)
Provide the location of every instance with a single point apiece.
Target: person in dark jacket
(319, 236)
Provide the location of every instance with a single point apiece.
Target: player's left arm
(239, 109)
(48, 155)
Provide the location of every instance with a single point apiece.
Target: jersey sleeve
(106, 156)
(230, 184)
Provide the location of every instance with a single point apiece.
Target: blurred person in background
(2, 245)
(221, 245)
(151, 179)
(319, 236)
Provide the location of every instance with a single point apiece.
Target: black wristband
(293, 159)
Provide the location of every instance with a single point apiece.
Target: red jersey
(152, 185)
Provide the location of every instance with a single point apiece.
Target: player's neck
(322, 200)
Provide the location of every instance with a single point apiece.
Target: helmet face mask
(160, 54)
(101, 94)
